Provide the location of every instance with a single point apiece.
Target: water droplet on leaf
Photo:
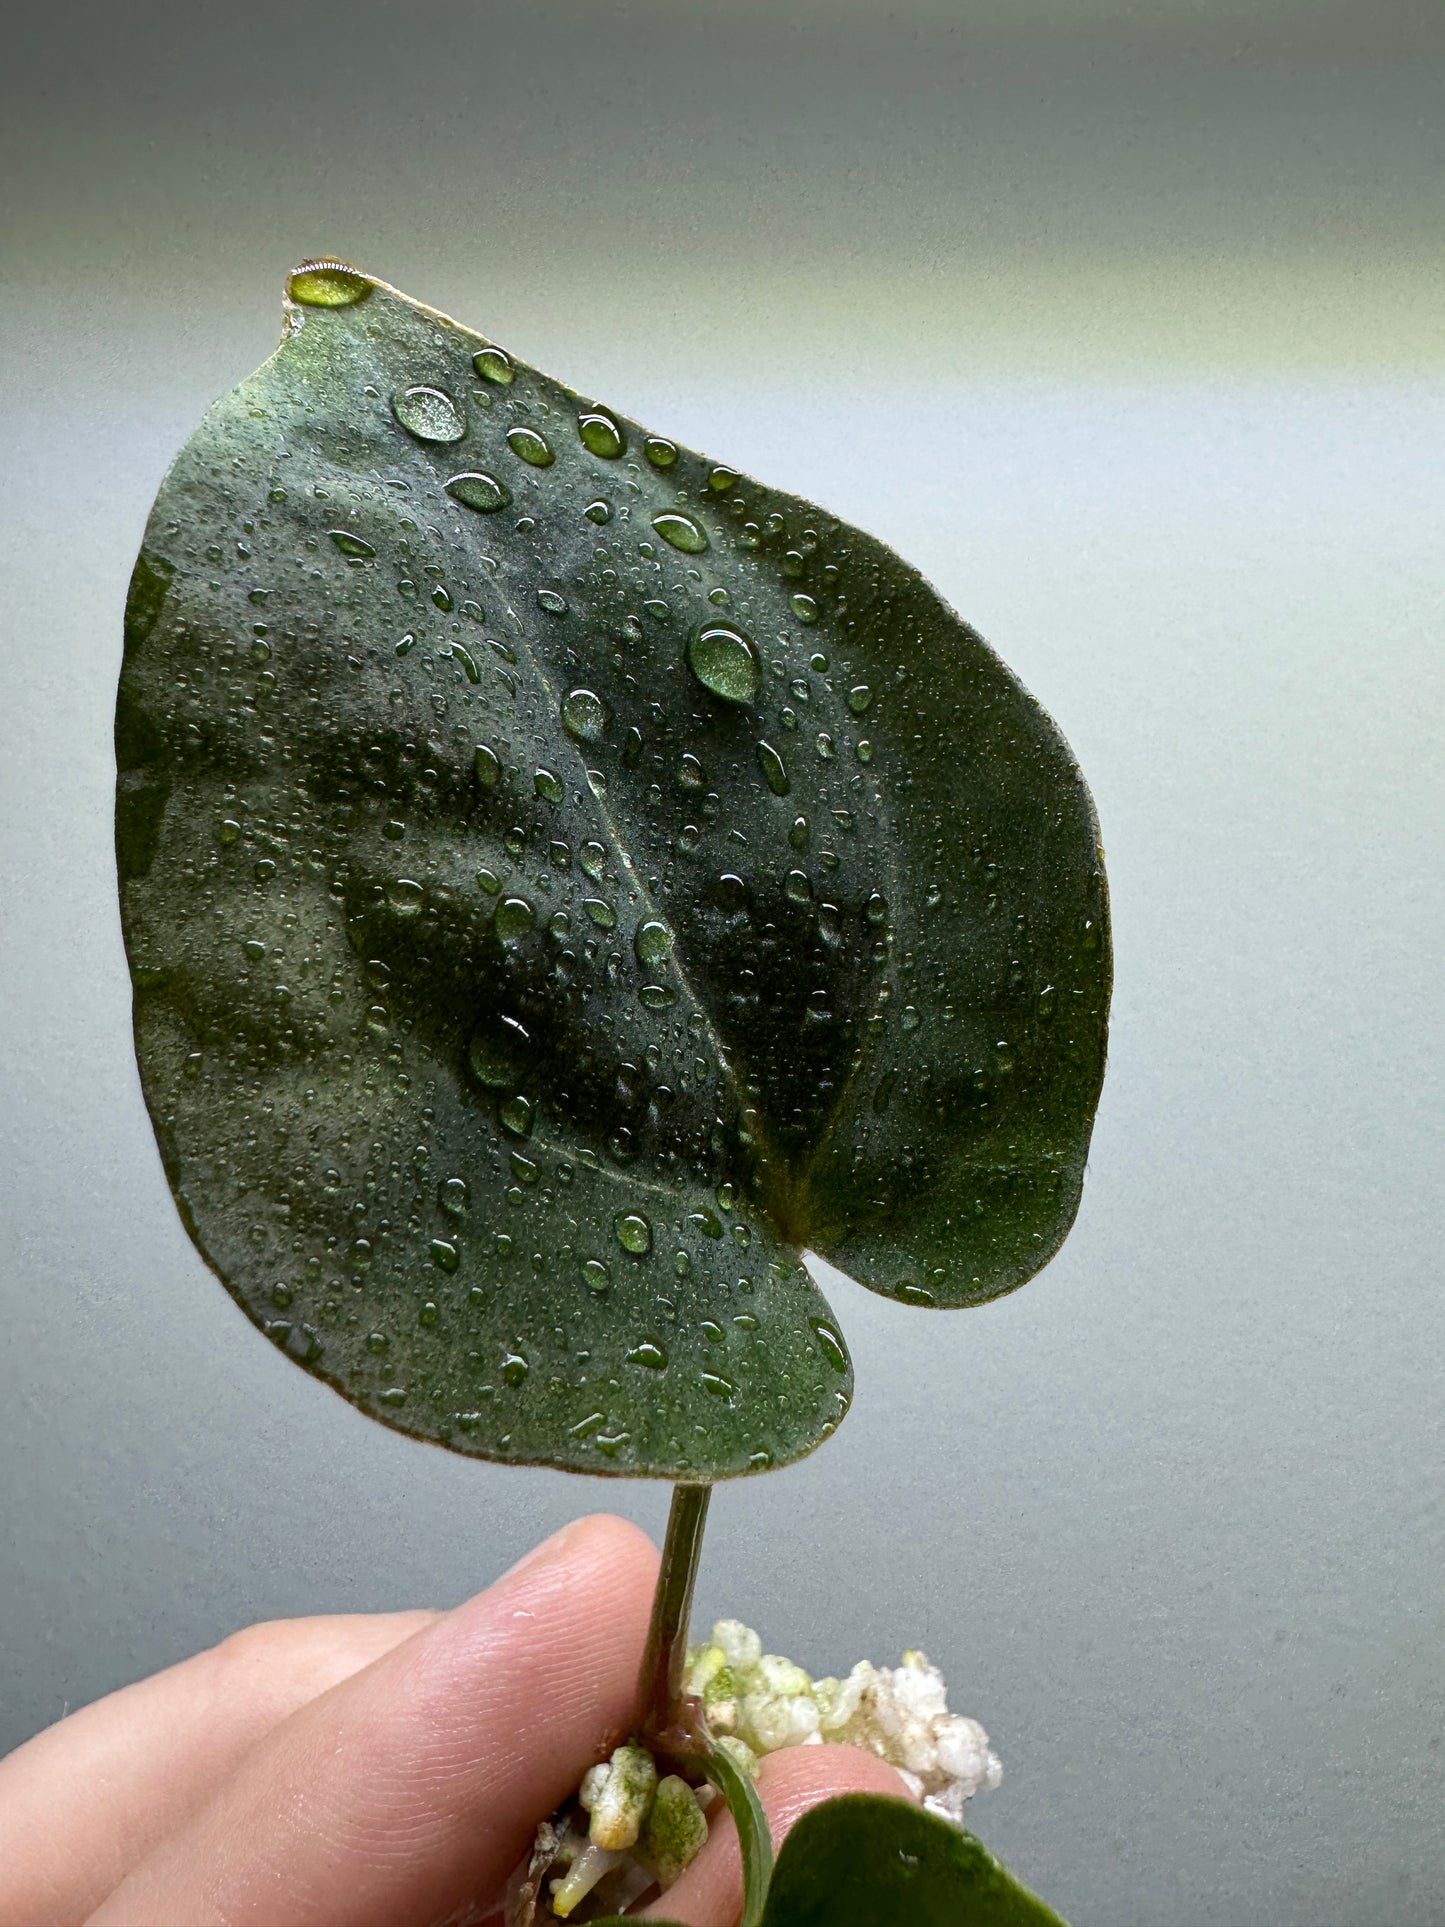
(724, 660)
(601, 434)
(474, 490)
(634, 1233)
(452, 1196)
(649, 1354)
(428, 413)
(830, 1344)
(327, 284)
(494, 364)
(584, 715)
(774, 772)
(514, 918)
(350, 544)
(653, 940)
(531, 446)
(681, 531)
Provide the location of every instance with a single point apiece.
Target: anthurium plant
(565, 881)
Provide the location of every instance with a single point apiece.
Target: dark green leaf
(564, 879)
(862, 1861)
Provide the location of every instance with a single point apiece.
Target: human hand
(384, 1771)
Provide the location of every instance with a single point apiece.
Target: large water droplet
(496, 1052)
(634, 1233)
(649, 1354)
(328, 284)
(804, 608)
(452, 1196)
(774, 771)
(548, 785)
(601, 434)
(351, 545)
(444, 1255)
(724, 660)
(660, 451)
(553, 601)
(584, 715)
(514, 918)
(859, 698)
(487, 765)
(484, 493)
(531, 446)
(592, 857)
(719, 1386)
(653, 940)
(830, 1344)
(494, 364)
(428, 413)
(514, 1368)
(405, 895)
(601, 912)
(681, 531)
(596, 1275)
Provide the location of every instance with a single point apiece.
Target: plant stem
(672, 1723)
(673, 1726)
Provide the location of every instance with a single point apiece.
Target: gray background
(1123, 322)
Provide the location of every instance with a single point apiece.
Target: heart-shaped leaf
(563, 880)
(863, 1861)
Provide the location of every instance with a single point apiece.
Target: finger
(413, 1787)
(85, 1801)
(710, 1892)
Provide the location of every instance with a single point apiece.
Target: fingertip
(607, 1539)
(792, 1781)
(601, 1558)
(710, 1892)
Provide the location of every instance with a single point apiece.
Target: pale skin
(383, 1771)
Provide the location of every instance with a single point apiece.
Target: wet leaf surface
(862, 1861)
(563, 880)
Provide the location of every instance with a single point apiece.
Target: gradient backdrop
(1123, 322)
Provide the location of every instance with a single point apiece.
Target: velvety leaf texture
(563, 880)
